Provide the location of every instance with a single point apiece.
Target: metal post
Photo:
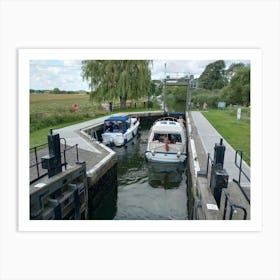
(187, 98)
(219, 153)
(219, 176)
(190, 96)
(164, 89)
(52, 162)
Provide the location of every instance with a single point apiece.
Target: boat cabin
(116, 124)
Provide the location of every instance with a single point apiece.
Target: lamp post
(189, 79)
(164, 89)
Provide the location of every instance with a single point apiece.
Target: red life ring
(166, 142)
(75, 107)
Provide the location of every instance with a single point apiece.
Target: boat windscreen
(172, 137)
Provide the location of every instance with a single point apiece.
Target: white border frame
(24, 57)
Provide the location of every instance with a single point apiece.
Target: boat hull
(165, 157)
(119, 139)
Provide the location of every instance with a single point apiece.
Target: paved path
(209, 136)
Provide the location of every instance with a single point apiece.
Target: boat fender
(166, 142)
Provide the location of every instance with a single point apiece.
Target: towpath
(209, 136)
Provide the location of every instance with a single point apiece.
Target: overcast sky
(66, 74)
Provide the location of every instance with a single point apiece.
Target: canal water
(149, 191)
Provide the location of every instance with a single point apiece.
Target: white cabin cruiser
(167, 141)
(119, 130)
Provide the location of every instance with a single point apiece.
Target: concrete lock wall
(102, 195)
(203, 202)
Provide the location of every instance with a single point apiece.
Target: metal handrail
(242, 155)
(241, 172)
(233, 207)
(205, 173)
(64, 154)
(37, 162)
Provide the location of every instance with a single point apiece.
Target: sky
(66, 74)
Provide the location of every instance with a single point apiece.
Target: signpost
(238, 114)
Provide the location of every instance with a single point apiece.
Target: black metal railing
(64, 154)
(39, 173)
(233, 207)
(241, 171)
(37, 162)
(204, 173)
(228, 200)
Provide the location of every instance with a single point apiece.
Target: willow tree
(117, 79)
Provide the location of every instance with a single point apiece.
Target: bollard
(52, 162)
(218, 181)
(219, 176)
(219, 153)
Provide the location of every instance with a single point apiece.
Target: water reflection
(165, 175)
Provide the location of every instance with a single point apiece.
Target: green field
(236, 133)
(55, 111)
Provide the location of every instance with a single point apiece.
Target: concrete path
(209, 136)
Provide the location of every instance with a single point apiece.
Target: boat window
(108, 126)
(120, 126)
(173, 138)
(156, 137)
(111, 126)
(129, 123)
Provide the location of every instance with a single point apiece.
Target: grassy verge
(236, 133)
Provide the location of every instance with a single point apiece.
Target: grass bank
(235, 133)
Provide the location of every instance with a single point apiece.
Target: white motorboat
(119, 130)
(167, 141)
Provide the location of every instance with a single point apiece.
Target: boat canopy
(116, 124)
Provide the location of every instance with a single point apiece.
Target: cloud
(62, 74)
(66, 74)
(179, 68)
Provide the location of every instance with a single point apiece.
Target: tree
(239, 87)
(233, 68)
(111, 79)
(56, 90)
(213, 77)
